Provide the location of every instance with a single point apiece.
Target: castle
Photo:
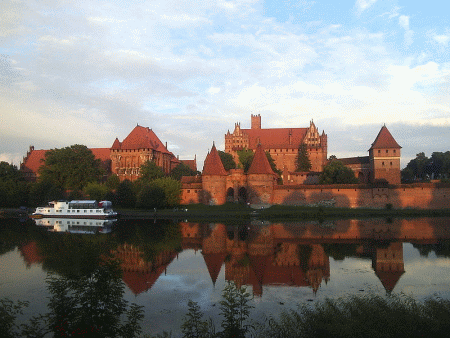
(281, 143)
(123, 158)
(259, 185)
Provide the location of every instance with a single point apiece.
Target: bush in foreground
(352, 316)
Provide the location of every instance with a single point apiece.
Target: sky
(88, 71)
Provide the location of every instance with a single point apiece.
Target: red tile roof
(33, 161)
(191, 179)
(384, 139)
(354, 160)
(275, 138)
(102, 154)
(35, 158)
(116, 145)
(213, 164)
(143, 138)
(192, 164)
(260, 163)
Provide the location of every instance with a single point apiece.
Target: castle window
(382, 163)
(379, 151)
(387, 151)
(391, 164)
(395, 151)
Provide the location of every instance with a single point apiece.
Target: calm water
(165, 264)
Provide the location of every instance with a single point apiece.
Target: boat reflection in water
(78, 226)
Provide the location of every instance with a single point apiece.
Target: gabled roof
(35, 158)
(275, 138)
(143, 138)
(260, 163)
(33, 161)
(102, 154)
(192, 164)
(213, 164)
(384, 139)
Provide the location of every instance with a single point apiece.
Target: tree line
(423, 169)
(74, 173)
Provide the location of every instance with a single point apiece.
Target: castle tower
(261, 178)
(256, 121)
(214, 178)
(384, 157)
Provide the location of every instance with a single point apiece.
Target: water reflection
(263, 255)
(257, 254)
(79, 225)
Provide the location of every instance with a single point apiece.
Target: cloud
(403, 21)
(362, 5)
(442, 39)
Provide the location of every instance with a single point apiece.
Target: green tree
(43, 192)
(302, 161)
(172, 190)
(13, 188)
(418, 166)
(182, 170)
(235, 309)
(112, 182)
(71, 167)
(272, 164)
(150, 171)
(193, 325)
(337, 173)
(90, 305)
(9, 172)
(151, 196)
(227, 160)
(126, 196)
(245, 158)
(96, 191)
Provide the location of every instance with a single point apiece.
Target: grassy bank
(236, 213)
(231, 212)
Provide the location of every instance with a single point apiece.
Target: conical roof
(213, 164)
(384, 139)
(116, 145)
(260, 163)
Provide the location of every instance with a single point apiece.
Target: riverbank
(231, 213)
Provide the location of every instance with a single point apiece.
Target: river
(165, 264)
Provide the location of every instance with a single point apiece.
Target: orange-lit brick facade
(140, 146)
(281, 143)
(259, 185)
(123, 159)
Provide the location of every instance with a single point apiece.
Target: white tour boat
(76, 209)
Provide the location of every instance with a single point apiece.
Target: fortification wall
(422, 196)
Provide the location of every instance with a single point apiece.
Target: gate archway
(242, 195)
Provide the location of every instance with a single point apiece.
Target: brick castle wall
(422, 196)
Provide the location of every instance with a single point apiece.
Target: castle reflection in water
(293, 254)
